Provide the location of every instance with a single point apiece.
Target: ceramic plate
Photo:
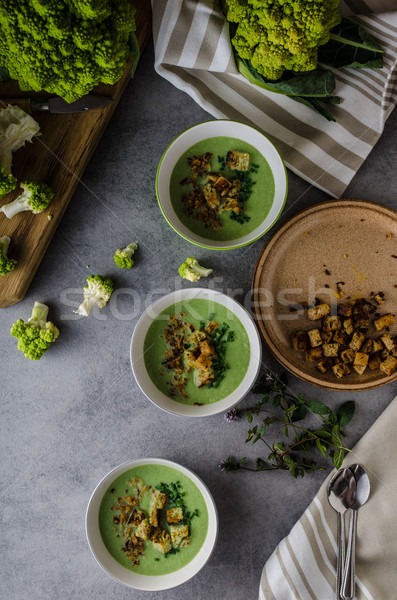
(349, 245)
(220, 128)
(151, 390)
(124, 575)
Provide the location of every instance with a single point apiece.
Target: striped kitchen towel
(303, 566)
(193, 51)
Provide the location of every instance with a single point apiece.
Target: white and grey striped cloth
(193, 51)
(303, 566)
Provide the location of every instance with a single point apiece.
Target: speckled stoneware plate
(350, 245)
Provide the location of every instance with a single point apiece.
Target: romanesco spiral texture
(279, 35)
(65, 47)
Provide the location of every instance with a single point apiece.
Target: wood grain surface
(58, 157)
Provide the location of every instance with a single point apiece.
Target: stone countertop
(71, 417)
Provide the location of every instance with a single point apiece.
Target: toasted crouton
(202, 378)
(230, 204)
(330, 349)
(347, 355)
(360, 362)
(318, 312)
(174, 515)
(238, 161)
(384, 321)
(314, 354)
(161, 540)
(388, 342)
(361, 322)
(389, 366)
(143, 529)
(315, 337)
(331, 323)
(344, 310)
(206, 348)
(340, 337)
(367, 346)
(324, 365)
(300, 341)
(210, 195)
(178, 533)
(203, 362)
(357, 340)
(340, 370)
(379, 298)
(234, 190)
(374, 361)
(326, 336)
(222, 185)
(348, 326)
(212, 326)
(157, 503)
(376, 345)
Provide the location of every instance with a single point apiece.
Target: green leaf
(345, 412)
(322, 433)
(315, 105)
(351, 45)
(135, 52)
(4, 74)
(319, 82)
(299, 413)
(260, 465)
(321, 447)
(336, 436)
(338, 458)
(318, 407)
(249, 417)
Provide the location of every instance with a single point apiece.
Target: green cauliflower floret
(6, 264)
(36, 335)
(97, 292)
(65, 47)
(16, 128)
(192, 270)
(35, 197)
(123, 258)
(279, 35)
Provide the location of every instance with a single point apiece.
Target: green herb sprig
(296, 450)
(219, 341)
(175, 499)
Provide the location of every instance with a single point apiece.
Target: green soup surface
(256, 206)
(237, 356)
(153, 562)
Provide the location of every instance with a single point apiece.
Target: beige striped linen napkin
(303, 566)
(193, 51)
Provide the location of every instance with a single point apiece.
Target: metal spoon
(360, 498)
(340, 490)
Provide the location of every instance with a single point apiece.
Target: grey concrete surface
(70, 418)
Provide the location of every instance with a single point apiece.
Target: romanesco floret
(35, 197)
(16, 128)
(36, 335)
(279, 35)
(123, 258)
(6, 264)
(65, 47)
(192, 270)
(97, 292)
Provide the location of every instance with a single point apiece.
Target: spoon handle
(341, 554)
(348, 583)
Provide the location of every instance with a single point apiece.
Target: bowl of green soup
(195, 352)
(221, 184)
(151, 524)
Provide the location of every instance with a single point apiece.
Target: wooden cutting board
(58, 157)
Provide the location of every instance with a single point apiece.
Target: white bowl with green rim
(268, 209)
(131, 578)
(245, 350)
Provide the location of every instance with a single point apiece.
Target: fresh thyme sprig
(297, 452)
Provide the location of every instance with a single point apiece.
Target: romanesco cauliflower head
(36, 196)
(192, 270)
(36, 335)
(65, 47)
(6, 264)
(123, 258)
(279, 35)
(97, 292)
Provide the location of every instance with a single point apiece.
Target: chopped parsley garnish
(219, 340)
